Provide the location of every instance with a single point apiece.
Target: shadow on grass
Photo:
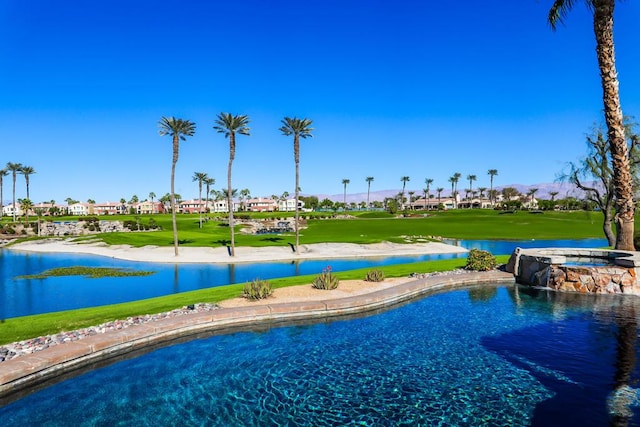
(272, 239)
(222, 242)
(181, 242)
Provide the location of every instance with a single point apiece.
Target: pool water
(483, 356)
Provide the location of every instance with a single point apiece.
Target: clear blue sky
(416, 88)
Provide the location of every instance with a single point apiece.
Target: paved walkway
(19, 375)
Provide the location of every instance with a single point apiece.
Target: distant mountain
(564, 189)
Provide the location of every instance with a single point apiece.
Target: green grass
(88, 272)
(21, 328)
(373, 227)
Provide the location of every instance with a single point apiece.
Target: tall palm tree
(623, 180)
(439, 190)
(230, 125)
(428, 181)
(404, 180)
(178, 129)
(369, 180)
(299, 128)
(411, 193)
(553, 195)
(471, 178)
(492, 173)
(26, 171)
(531, 193)
(200, 177)
(345, 182)
(454, 187)
(3, 173)
(208, 183)
(14, 168)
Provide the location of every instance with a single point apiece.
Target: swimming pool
(483, 356)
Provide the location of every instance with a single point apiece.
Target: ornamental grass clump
(257, 289)
(325, 280)
(374, 276)
(479, 260)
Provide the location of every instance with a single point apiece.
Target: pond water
(483, 356)
(35, 296)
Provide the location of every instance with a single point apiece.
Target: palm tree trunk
(623, 183)
(176, 142)
(14, 195)
(296, 153)
(232, 144)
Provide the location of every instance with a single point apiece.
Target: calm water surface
(483, 356)
(21, 297)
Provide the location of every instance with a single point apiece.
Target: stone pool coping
(20, 375)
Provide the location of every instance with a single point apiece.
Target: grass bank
(21, 328)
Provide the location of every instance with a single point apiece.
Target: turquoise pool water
(483, 356)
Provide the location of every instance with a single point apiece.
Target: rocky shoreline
(21, 348)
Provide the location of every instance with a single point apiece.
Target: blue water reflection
(506, 247)
(22, 297)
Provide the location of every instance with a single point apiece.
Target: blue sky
(422, 89)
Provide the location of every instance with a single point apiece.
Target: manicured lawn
(460, 224)
(20, 328)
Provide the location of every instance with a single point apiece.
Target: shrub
(478, 260)
(325, 280)
(374, 276)
(257, 289)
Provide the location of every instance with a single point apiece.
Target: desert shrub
(374, 276)
(325, 280)
(479, 260)
(257, 289)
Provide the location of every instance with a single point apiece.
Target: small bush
(478, 260)
(257, 289)
(374, 276)
(326, 280)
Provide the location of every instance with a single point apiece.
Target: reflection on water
(506, 247)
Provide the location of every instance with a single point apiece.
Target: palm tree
(454, 187)
(26, 171)
(471, 178)
(369, 180)
(230, 125)
(345, 182)
(404, 180)
(492, 173)
(622, 177)
(482, 190)
(411, 193)
(26, 205)
(426, 197)
(178, 129)
(439, 190)
(428, 181)
(14, 168)
(553, 195)
(208, 182)
(152, 196)
(531, 193)
(299, 128)
(200, 177)
(3, 173)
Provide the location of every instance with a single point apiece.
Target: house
(148, 207)
(289, 205)
(80, 209)
(7, 210)
(261, 205)
(192, 206)
(109, 208)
